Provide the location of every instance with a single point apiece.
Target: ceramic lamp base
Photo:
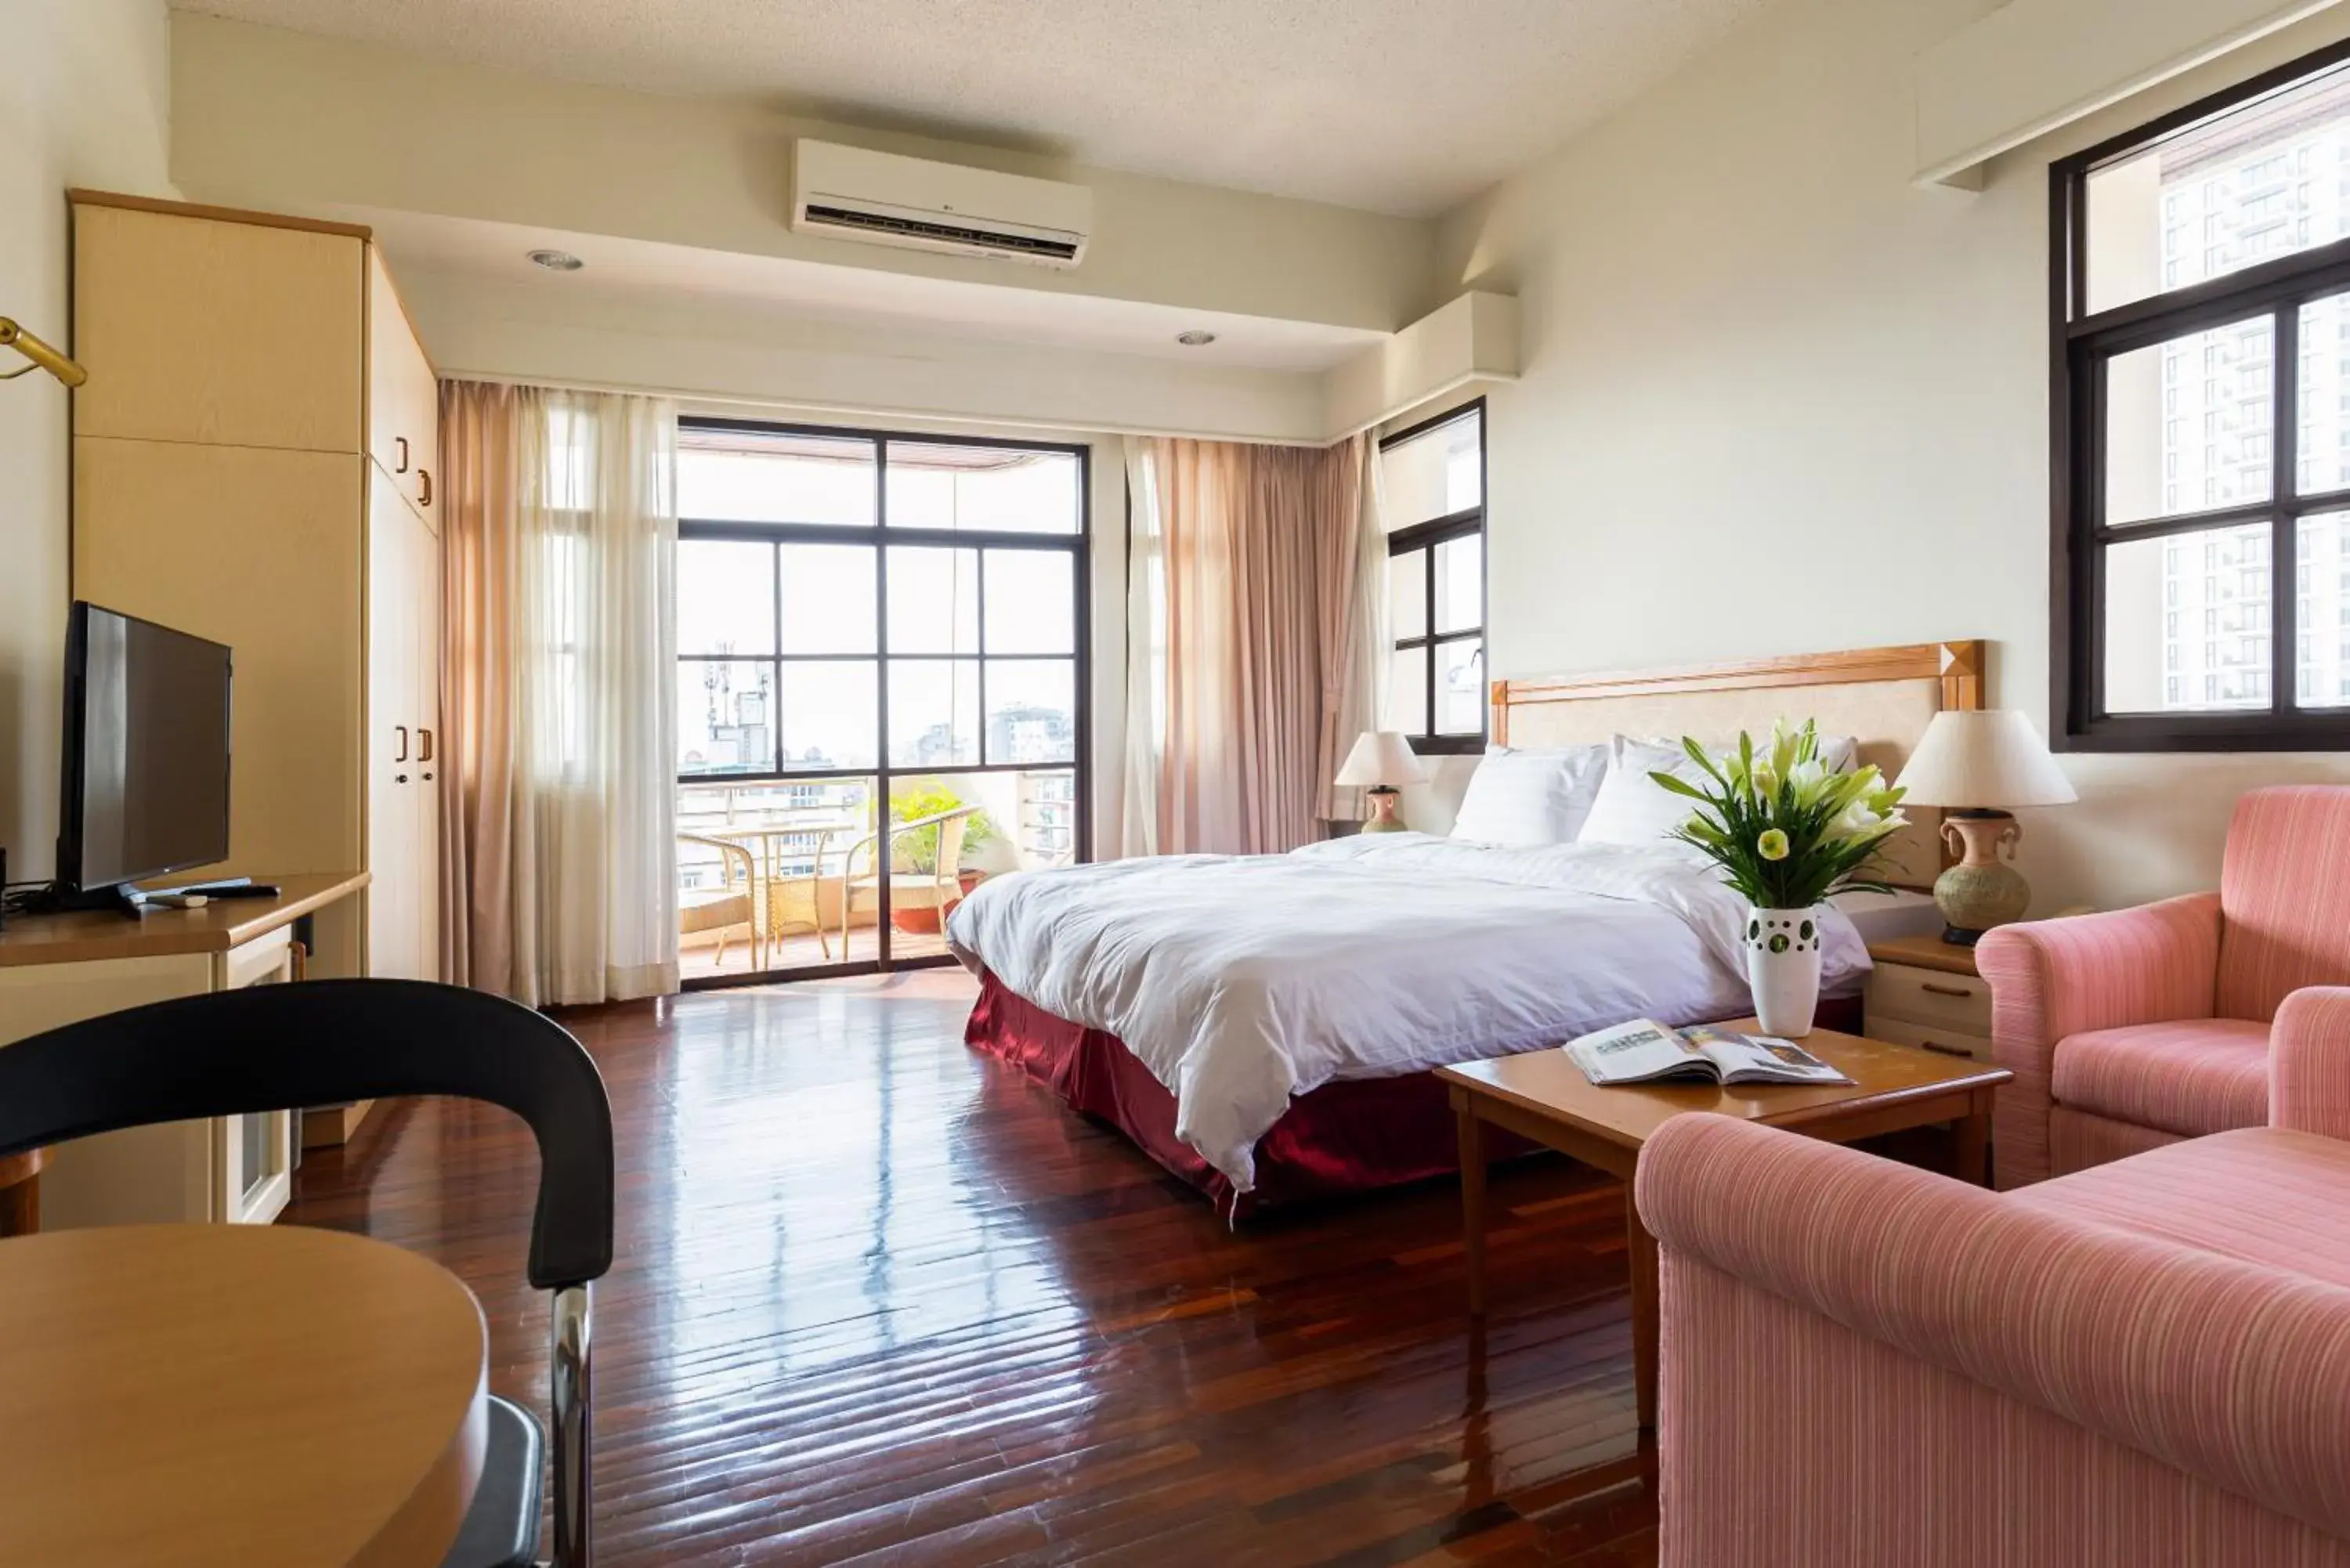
(1383, 818)
(1982, 890)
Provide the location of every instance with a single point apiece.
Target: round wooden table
(234, 1393)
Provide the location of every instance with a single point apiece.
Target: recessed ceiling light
(1195, 338)
(557, 261)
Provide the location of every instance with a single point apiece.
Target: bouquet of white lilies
(1786, 832)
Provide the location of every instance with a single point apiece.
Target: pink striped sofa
(2143, 1363)
(2135, 1029)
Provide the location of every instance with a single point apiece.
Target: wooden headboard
(1884, 697)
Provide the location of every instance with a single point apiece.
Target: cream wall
(84, 100)
(1776, 399)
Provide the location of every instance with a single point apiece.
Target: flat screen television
(146, 751)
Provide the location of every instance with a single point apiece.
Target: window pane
(2262, 181)
(933, 713)
(726, 716)
(1026, 819)
(1434, 474)
(1407, 594)
(1461, 584)
(2321, 672)
(1032, 601)
(731, 476)
(1407, 692)
(828, 598)
(2189, 424)
(933, 600)
(829, 713)
(1032, 710)
(1005, 489)
(1461, 687)
(2187, 622)
(2324, 449)
(725, 597)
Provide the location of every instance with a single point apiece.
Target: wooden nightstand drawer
(1929, 996)
(1927, 1037)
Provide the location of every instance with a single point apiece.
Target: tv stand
(121, 900)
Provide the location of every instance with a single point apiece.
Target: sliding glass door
(881, 688)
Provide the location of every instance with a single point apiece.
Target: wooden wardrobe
(254, 458)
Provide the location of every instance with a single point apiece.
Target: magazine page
(1758, 1057)
(1632, 1053)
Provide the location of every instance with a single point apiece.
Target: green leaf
(1681, 786)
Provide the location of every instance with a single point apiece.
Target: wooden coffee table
(1543, 1096)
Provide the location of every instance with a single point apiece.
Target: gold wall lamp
(42, 355)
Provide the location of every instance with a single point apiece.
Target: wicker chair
(738, 905)
(936, 888)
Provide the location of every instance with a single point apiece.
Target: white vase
(1782, 967)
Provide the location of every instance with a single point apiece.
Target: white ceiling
(1397, 106)
(642, 269)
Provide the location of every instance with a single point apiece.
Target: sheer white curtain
(1254, 620)
(558, 843)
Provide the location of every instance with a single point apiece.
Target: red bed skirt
(1349, 1135)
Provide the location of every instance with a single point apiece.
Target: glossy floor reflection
(879, 1300)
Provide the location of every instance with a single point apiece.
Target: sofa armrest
(2230, 1371)
(2309, 1062)
(2051, 979)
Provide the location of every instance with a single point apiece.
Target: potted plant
(1786, 833)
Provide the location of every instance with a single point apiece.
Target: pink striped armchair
(2135, 1029)
(2147, 1362)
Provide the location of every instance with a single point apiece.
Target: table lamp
(1977, 766)
(1382, 762)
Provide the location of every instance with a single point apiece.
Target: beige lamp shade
(1993, 759)
(1380, 760)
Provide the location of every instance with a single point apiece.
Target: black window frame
(2082, 346)
(880, 536)
(1427, 534)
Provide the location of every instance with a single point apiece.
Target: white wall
(1775, 399)
(84, 100)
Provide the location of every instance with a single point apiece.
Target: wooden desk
(160, 1399)
(60, 968)
(1544, 1095)
(90, 936)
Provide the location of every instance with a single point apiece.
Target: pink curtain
(1254, 622)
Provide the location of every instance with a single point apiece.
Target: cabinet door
(198, 330)
(260, 550)
(392, 740)
(403, 399)
(433, 775)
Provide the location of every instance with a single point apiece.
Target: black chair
(274, 1047)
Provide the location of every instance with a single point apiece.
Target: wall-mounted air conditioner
(851, 193)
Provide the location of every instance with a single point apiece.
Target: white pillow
(1532, 796)
(1634, 808)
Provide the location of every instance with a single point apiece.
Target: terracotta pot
(968, 880)
(920, 921)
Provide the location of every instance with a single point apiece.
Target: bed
(1263, 1026)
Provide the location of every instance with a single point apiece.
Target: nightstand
(1925, 992)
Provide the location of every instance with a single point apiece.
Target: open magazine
(1644, 1051)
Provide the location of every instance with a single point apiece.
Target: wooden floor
(879, 1300)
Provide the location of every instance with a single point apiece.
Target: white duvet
(1242, 980)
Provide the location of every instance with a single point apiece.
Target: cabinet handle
(401, 731)
(400, 778)
(423, 745)
(424, 494)
(1930, 988)
(428, 778)
(402, 442)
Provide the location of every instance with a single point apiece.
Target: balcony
(775, 878)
